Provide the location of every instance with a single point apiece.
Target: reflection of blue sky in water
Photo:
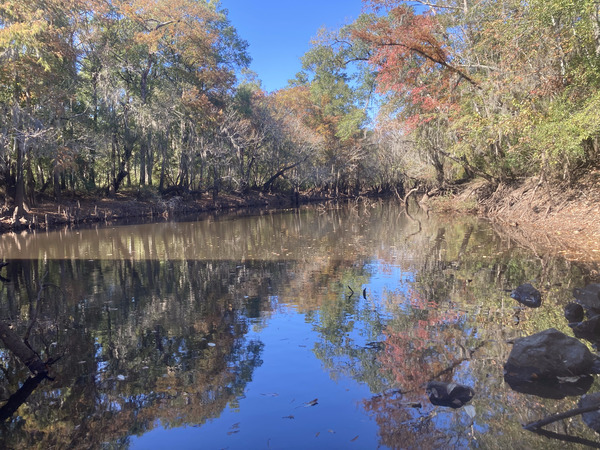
(289, 377)
(386, 278)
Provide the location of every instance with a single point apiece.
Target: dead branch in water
(407, 196)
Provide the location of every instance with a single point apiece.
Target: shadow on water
(320, 327)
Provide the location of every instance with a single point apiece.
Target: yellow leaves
(21, 33)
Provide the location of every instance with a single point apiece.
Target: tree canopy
(155, 97)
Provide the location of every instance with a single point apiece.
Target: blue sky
(279, 31)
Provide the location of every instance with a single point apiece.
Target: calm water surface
(312, 328)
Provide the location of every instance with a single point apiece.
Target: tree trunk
(163, 169)
(143, 153)
(20, 178)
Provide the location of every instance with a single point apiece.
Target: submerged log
(21, 350)
(18, 398)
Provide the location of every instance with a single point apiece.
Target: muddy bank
(557, 219)
(81, 211)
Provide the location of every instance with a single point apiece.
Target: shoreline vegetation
(108, 113)
(559, 220)
(128, 207)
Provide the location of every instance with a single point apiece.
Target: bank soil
(556, 219)
(548, 218)
(46, 214)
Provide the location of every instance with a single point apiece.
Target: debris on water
(235, 428)
(375, 345)
(412, 404)
(288, 417)
(311, 403)
(354, 438)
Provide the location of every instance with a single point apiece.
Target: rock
(554, 388)
(589, 297)
(449, 394)
(527, 295)
(574, 312)
(592, 418)
(588, 330)
(550, 354)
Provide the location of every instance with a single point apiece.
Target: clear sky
(279, 31)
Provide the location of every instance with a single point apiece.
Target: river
(311, 328)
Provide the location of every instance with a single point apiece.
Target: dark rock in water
(589, 297)
(588, 330)
(592, 418)
(449, 394)
(574, 312)
(550, 354)
(554, 388)
(527, 295)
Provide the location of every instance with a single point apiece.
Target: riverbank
(47, 214)
(552, 219)
(557, 219)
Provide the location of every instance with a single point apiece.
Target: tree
(38, 75)
(187, 56)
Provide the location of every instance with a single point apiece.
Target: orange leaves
(180, 25)
(412, 62)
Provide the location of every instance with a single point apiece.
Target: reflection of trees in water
(450, 321)
(136, 335)
(140, 341)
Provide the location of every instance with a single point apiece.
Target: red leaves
(412, 61)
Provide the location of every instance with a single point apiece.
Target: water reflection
(235, 326)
